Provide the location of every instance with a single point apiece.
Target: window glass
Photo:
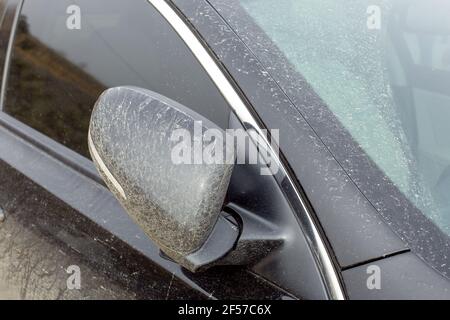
(383, 69)
(66, 53)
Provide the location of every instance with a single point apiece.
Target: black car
(345, 102)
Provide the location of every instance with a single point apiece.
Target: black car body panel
(405, 276)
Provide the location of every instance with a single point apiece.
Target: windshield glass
(383, 69)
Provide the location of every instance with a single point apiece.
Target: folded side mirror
(178, 205)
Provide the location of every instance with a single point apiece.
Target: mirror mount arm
(220, 242)
(257, 240)
(235, 243)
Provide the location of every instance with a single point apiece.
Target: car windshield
(383, 68)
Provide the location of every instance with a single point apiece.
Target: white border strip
(98, 160)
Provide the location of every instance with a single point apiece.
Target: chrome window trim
(320, 251)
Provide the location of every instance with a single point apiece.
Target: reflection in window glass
(58, 70)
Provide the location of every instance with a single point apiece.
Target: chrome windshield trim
(329, 273)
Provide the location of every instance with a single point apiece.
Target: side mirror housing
(178, 205)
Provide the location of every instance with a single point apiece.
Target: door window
(66, 53)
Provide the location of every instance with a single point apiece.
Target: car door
(63, 234)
